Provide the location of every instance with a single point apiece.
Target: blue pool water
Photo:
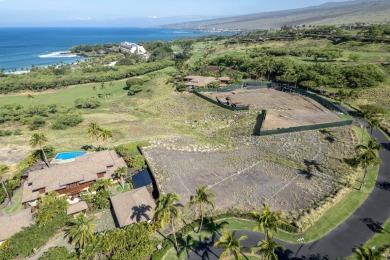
(68, 155)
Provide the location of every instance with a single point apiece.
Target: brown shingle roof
(76, 208)
(12, 224)
(84, 169)
(133, 206)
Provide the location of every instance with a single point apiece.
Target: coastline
(46, 42)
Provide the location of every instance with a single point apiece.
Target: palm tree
(120, 173)
(106, 135)
(369, 114)
(102, 184)
(267, 220)
(3, 170)
(202, 198)
(111, 85)
(94, 88)
(366, 253)
(351, 95)
(51, 206)
(80, 231)
(372, 144)
(167, 210)
(375, 123)
(231, 244)
(267, 248)
(39, 139)
(366, 157)
(94, 130)
(104, 89)
(31, 97)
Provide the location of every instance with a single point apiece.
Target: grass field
(156, 112)
(66, 96)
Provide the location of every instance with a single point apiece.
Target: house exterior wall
(75, 189)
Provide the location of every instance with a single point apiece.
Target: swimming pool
(68, 155)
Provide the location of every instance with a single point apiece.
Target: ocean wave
(58, 54)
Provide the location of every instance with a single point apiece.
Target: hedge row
(24, 243)
(39, 80)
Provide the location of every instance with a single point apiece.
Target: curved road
(353, 232)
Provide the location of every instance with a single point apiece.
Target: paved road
(355, 231)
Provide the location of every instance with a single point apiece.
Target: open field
(284, 109)
(157, 112)
(290, 171)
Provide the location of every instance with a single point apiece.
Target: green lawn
(67, 96)
(380, 240)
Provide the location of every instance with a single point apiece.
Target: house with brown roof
(12, 224)
(71, 178)
(133, 206)
(77, 208)
(200, 81)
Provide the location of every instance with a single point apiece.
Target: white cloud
(153, 17)
(82, 18)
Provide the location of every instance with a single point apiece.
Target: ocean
(20, 48)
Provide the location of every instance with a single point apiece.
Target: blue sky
(132, 13)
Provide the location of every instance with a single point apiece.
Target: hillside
(366, 11)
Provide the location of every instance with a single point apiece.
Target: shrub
(67, 120)
(130, 149)
(134, 81)
(136, 88)
(181, 87)
(87, 103)
(101, 200)
(136, 161)
(36, 122)
(18, 132)
(5, 132)
(23, 243)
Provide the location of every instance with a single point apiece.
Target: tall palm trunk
(364, 128)
(201, 217)
(174, 234)
(45, 158)
(6, 192)
(364, 176)
(123, 182)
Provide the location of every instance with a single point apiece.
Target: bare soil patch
(284, 109)
(289, 171)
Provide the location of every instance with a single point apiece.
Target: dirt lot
(290, 171)
(284, 109)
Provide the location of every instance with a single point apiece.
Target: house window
(73, 185)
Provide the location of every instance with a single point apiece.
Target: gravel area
(290, 171)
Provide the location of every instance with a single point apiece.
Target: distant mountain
(332, 13)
